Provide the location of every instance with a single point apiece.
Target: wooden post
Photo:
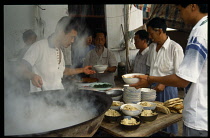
(126, 36)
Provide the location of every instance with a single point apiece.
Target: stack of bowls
(148, 94)
(131, 94)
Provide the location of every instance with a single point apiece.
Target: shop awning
(143, 7)
(168, 12)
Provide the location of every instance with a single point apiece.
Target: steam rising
(45, 111)
(31, 113)
(40, 112)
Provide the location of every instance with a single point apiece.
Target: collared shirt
(106, 58)
(167, 60)
(67, 55)
(44, 61)
(140, 62)
(22, 52)
(194, 69)
(79, 54)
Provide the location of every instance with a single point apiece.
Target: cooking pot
(101, 102)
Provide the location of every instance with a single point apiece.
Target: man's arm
(169, 80)
(70, 71)
(110, 69)
(25, 70)
(86, 70)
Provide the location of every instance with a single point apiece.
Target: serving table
(145, 129)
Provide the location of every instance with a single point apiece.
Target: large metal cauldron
(84, 129)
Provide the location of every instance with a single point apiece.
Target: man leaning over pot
(44, 62)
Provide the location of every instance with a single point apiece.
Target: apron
(168, 93)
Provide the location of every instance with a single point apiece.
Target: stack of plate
(131, 94)
(148, 94)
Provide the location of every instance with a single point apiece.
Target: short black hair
(143, 35)
(67, 24)
(202, 7)
(157, 22)
(27, 34)
(88, 31)
(99, 31)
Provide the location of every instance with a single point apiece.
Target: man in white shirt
(102, 55)
(164, 58)
(141, 39)
(29, 37)
(192, 73)
(43, 63)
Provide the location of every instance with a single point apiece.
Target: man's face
(100, 39)
(138, 42)
(185, 13)
(89, 40)
(68, 39)
(153, 34)
(31, 40)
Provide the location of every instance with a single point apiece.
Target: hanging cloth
(143, 7)
(39, 22)
(169, 12)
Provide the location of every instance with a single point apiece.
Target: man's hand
(159, 87)
(36, 80)
(143, 83)
(88, 70)
(110, 69)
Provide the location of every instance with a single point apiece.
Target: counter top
(145, 129)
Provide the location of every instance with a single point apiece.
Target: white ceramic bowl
(128, 78)
(131, 97)
(131, 94)
(148, 90)
(132, 113)
(148, 94)
(116, 107)
(151, 99)
(151, 107)
(116, 94)
(100, 68)
(116, 98)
